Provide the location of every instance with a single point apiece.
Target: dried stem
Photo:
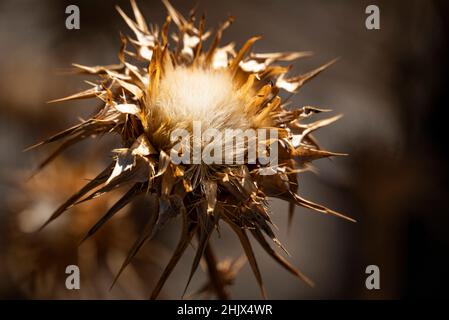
(214, 274)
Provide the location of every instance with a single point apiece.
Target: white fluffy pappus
(189, 94)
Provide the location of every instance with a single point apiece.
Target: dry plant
(166, 80)
(36, 262)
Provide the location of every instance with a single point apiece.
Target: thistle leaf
(86, 94)
(284, 263)
(188, 230)
(204, 236)
(249, 254)
(127, 198)
(307, 154)
(293, 84)
(144, 236)
(169, 207)
(98, 180)
(235, 62)
(311, 205)
(54, 154)
(139, 17)
(139, 173)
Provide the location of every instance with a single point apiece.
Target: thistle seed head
(169, 81)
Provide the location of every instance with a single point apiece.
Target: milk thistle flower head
(166, 83)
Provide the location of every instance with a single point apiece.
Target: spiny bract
(174, 81)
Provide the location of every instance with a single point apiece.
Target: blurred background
(389, 84)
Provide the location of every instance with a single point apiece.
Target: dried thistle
(48, 253)
(175, 81)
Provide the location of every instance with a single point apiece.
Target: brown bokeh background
(389, 84)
